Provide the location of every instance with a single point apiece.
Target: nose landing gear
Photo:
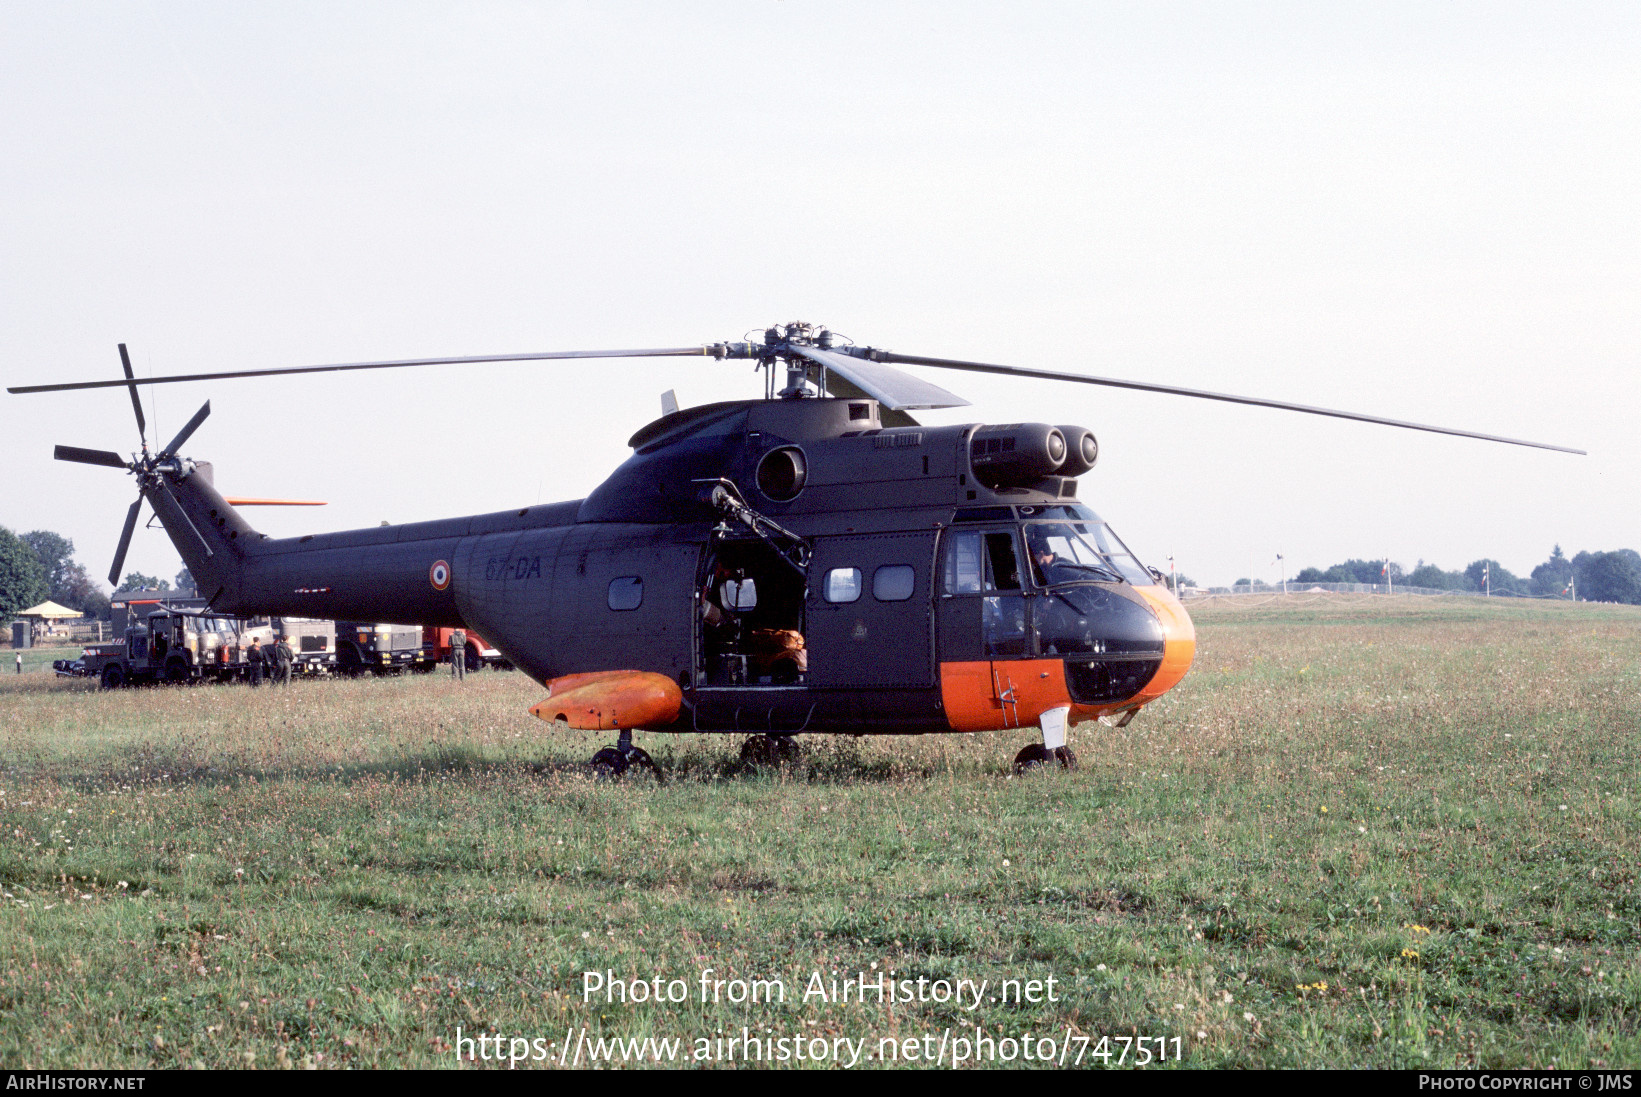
(617, 760)
(1053, 748)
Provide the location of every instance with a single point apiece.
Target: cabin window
(893, 583)
(842, 585)
(626, 592)
(963, 563)
(739, 594)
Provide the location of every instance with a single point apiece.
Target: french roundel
(439, 575)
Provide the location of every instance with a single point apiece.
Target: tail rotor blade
(90, 456)
(125, 542)
(187, 431)
(136, 402)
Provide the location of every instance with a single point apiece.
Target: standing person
(458, 654)
(284, 658)
(253, 662)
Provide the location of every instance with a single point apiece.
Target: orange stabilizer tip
(607, 700)
(239, 501)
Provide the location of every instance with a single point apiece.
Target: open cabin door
(869, 613)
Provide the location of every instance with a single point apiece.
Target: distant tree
(22, 579)
(1178, 581)
(1365, 571)
(185, 583)
(1433, 577)
(1550, 578)
(56, 554)
(1608, 576)
(1249, 583)
(136, 580)
(1499, 579)
(1310, 575)
(96, 604)
(77, 589)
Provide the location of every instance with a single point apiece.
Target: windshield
(1070, 552)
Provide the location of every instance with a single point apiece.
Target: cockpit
(1054, 581)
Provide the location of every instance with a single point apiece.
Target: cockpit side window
(978, 561)
(1003, 563)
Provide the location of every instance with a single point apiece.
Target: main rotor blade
(890, 387)
(840, 386)
(710, 351)
(1202, 394)
(90, 456)
(188, 429)
(136, 404)
(125, 542)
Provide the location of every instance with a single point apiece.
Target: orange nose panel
(1179, 642)
(608, 699)
(986, 696)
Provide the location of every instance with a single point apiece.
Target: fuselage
(917, 578)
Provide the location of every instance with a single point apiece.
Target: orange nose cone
(1179, 642)
(610, 699)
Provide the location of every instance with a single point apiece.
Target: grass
(1363, 833)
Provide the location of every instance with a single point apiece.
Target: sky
(1427, 212)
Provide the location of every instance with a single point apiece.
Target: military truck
(169, 645)
(313, 642)
(477, 651)
(380, 649)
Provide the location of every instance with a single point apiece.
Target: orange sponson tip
(238, 501)
(605, 700)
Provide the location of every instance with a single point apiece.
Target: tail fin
(211, 536)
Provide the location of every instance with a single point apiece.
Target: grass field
(1362, 833)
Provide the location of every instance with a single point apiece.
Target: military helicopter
(814, 560)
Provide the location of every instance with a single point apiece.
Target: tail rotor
(146, 468)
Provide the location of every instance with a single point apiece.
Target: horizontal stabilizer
(240, 501)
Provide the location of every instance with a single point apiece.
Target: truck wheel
(176, 671)
(348, 662)
(471, 657)
(113, 676)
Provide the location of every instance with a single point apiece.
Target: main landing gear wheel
(617, 761)
(769, 751)
(1037, 755)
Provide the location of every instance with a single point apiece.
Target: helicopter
(811, 561)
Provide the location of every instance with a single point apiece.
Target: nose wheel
(1037, 755)
(1053, 748)
(617, 761)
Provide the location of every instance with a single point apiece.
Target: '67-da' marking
(512, 567)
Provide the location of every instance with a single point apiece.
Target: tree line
(1589, 576)
(40, 565)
